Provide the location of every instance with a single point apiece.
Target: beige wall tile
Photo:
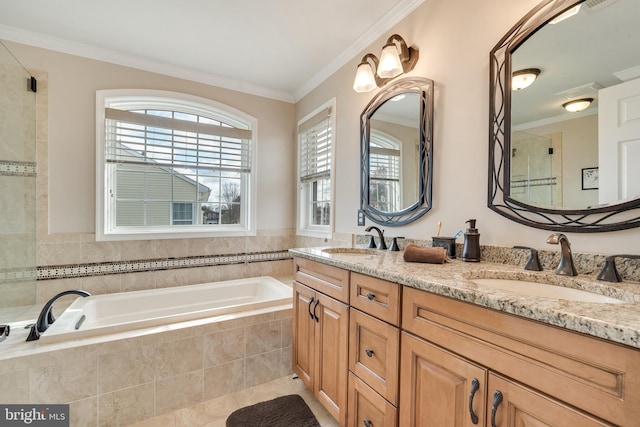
(172, 248)
(286, 332)
(223, 379)
(225, 346)
(262, 368)
(286, 367)
(104, 284)
(14, 387)
(137, 249)
(263, 337)
(171, 278)
(100, 251)
(176, 357)
(178, 392)
(59, 253)
(63, 382)
(124, 369)
(127, 406)
(84, 413)
(140, 281)
(47, 289)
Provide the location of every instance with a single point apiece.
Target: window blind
(148, 139)
(316, 139)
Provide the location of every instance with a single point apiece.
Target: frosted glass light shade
(365, 80)
(524, 78)
(577, 105)
(390, 64)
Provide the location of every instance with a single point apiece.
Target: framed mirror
(396, 146)
(550, 166)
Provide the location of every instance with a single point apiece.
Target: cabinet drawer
(374, 352)
(368, 408)
(595, 375)
(329, 280)
(376, 297)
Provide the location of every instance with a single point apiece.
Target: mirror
(560, 170)
(396, 144)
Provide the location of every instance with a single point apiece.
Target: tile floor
(213, 413)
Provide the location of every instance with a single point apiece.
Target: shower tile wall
(17, 180)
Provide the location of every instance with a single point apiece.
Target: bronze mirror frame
(619, 216)
(423, 87)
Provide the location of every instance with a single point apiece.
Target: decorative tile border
(120, 267)
(10, 168)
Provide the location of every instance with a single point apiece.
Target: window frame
(133, 98)
(304, 194)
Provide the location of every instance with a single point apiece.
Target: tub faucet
(381, 243)
(565, 267)
(46, 316)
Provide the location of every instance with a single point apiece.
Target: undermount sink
(352, 251)
(524, 287)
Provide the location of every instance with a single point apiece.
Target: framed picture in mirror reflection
(590, 178)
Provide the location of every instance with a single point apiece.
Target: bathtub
(112, 313)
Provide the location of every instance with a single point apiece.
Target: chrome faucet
(565, 267)
(46, 316)
(381, 243)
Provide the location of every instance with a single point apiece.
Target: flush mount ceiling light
(396, 58)
(524, 78)
(577, 104)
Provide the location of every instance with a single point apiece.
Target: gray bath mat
(285, 411)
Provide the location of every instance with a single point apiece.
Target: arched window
(171, 165)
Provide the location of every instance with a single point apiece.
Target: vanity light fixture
(396, 58)
(577, 104)
(524, 78)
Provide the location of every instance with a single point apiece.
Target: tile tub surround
(128, 379)
(614, 322)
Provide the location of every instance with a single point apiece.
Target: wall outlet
(360, 217)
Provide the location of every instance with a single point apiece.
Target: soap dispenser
(471, 248)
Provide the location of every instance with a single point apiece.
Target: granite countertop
(619, 322)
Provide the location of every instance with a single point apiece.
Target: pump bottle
(471, 247)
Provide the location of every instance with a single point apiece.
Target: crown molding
(133, 61)
(399, 12)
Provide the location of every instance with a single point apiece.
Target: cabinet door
(331, 330)
(303, 338)
(518, 406)
(438, 387)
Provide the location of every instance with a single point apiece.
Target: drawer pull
(367, 423)
(369, 352)
(475, 385)
(497, 400)
(309, 308)
(315, 307)
(370, 296)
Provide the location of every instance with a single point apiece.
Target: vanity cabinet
(545, 376)
(320, 333)
(374, 351)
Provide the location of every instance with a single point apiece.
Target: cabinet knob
(370, 296)
(497, 400)
(475, 385)
(367, 423)
(369, 352)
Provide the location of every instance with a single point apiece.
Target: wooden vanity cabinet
(546, 376)
(320, 333)
(374, 351)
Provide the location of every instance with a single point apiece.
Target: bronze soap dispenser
(471, 248)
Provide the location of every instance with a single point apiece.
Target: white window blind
(316, 138)
(158, 138)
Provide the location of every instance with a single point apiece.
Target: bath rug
(284, 411)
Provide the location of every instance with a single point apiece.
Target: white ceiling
(281, 49)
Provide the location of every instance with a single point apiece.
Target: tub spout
(46, 316)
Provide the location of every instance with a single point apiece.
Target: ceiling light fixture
(524, 78)
(396, 58)
(577, 104)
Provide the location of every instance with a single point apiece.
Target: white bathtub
(112, 313)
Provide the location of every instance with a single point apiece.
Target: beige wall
(73, 82)
(454, 38)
